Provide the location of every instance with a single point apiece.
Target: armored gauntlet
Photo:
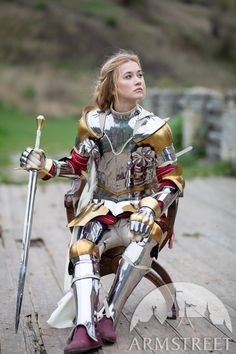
(32, 159)
(141, 223)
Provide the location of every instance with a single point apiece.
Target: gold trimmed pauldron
(84, 131)
(160, 139)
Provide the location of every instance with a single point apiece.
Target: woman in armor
(133, 179)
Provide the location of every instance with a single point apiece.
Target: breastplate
(125, 170)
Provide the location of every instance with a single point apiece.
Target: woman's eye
(128, 76)
(140, 75)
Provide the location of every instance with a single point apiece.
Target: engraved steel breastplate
(125, 170)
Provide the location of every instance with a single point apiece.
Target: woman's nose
(138, 81)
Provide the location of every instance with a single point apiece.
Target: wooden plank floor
(204, 254)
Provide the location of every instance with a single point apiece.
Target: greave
(85, 285)
(135, 263)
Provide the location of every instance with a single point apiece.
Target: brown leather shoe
(107, 330)
(81, 342)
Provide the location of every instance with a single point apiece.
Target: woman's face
(130, 83)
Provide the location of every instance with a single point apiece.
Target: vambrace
(69, 167)
(171, 185)
(168, 171)
(169, 176)
(166, 196)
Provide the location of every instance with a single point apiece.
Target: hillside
(50, 50)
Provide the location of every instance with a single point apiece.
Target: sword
(32, 186)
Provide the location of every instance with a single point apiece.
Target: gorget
(125, 170)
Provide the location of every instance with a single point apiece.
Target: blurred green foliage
(41, 5)
(107, 12)
(18, 130)
(29, 91)
(194, 162)
(176, 125)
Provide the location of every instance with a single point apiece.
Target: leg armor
(86, 279)
(135, 263)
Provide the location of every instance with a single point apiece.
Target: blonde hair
(106, 89)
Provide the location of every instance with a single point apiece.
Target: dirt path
(204, 254)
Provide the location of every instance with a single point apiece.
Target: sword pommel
(40, 120)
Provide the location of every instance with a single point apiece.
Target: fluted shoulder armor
(154, 132)
(89, 125)
(146, 125)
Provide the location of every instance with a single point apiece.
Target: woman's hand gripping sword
(32, 185)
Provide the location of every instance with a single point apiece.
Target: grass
(18, 130)
(194, 166)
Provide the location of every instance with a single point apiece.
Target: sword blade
(32, 185)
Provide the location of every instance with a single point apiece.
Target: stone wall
(209, 117)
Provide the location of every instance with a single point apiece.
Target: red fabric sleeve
(51, 173)
(77, 162)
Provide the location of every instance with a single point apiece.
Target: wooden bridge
(203, 254)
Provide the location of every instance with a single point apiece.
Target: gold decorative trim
(88, 214)
(131, 208)
(151, 203)
(82, 247)
(176, 177)
(125, 191)
(157, 234)
(45, 171)
(160, 139)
